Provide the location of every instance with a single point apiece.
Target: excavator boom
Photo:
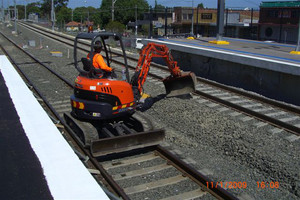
(178, 83)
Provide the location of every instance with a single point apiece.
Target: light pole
(220, 19)
(25, 15)
(52, 15)
(220, 24)
(136, 20)
(2, 12)
(15, 16)
(297, 50)
(192, 28)
(298, 44)
(113, 9)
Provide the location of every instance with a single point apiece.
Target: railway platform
(36, 161)
(264, 67)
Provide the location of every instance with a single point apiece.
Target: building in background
(73, 26)
(238, 23)
(279, 21)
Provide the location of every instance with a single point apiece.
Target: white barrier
(66, 176)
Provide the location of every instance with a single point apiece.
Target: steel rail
(201, 179)
(288, 127)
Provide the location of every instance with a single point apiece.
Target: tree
(21, 11)
(124, 10)
(82, 14)
(200, 5)
(46, 6)
(64, 15)
(158, 7)
(115, 26)
(79, 14)
(33, 8)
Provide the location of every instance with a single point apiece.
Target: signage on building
(206, 15)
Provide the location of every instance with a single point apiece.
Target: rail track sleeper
(130, 161)
(139, 172)
(155, 184)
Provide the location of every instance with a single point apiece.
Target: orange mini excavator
(98, 97)
(103, 107)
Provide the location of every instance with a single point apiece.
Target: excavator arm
(185, 81)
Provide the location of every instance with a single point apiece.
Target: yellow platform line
(220, 42)
(295, 52)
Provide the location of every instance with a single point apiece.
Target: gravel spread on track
(216, 143)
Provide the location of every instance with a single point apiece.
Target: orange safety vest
(98, 62)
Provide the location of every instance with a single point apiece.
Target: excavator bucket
(128, 142)
(182, 85)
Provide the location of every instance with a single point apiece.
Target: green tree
(21, 11)
(33, 8)
(64, 15)
(115, 26)
(158, 7)
(145, 29)
(124, 10)
(80, 14)
(200, 5)
(46, 6)
(83, 14)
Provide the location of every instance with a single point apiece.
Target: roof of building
(72, 23)
(272, 4)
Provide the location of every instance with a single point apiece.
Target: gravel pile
(220, 145)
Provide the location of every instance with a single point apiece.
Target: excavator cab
(84, 65)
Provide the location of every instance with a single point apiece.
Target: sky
(186, 3)
(168, 3)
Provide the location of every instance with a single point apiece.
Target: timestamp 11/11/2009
(242, 185)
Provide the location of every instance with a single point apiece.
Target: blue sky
(169, 3)
(187, 3)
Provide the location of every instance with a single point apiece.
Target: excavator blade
(182, 85)
(126, 143)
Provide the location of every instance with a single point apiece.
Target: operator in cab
(98, 61)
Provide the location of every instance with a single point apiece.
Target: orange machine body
(102, 98)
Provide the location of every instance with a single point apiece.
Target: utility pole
(113, 9)
(192, 28)
(15, 16)
(197, 26)
(136, 20)
(2, 12)
(226, 24)
(52, 15)
(220, 19)
(298, 44)
(220, 24)
(25, 15)
(150, 23)
(297, 50)
(251, 24)
(166, 21)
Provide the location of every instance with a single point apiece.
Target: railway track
(278, 114)
(53, 91)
